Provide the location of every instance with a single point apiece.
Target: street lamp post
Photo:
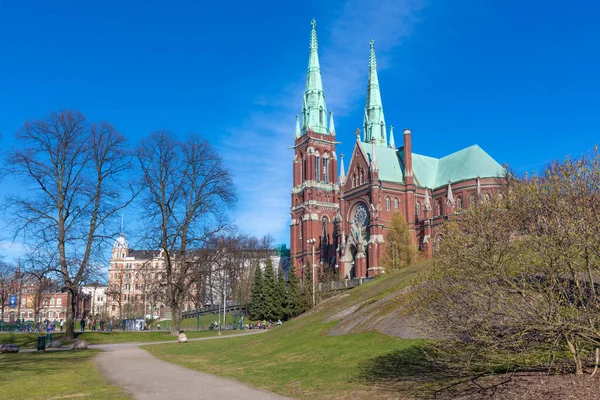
(311, 242)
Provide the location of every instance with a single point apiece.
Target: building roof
(468, 163)
(143, 254)
(391, 168)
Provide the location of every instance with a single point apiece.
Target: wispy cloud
(258, 153)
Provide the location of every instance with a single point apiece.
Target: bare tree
(187, 192)
(516, 280)
(74, 171)
(7, 285)
(115, 290)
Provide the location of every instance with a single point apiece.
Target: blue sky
(519, 78)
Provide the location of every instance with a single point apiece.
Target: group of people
(44, 326)
(91, 324)
(264, 324)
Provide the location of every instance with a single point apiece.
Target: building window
(418, 207)
(113, 307)
(325, 170)
(29, 314)
(382, 130)
(387, 204)
(50, 314)
(321, 116)
(459, 203)
(52, 302)
(23, 301)
(22, 314)
(136, 287)
(122, 255)
(439, 208)
(395, 204)
(127, 286)
(317, 172)
(362, 176)
(353, 180)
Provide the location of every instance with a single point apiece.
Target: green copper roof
(374, 122)
(424, 170)
(431, 172)
(390, 166)
(314, 111)
(465, 164)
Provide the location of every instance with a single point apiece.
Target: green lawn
(56, 375)
(299, 359)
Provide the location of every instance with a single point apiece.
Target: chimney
(408, 171)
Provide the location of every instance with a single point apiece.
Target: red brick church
(347, 214)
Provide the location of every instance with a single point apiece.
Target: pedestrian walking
(62, 324)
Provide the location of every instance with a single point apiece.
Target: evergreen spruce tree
(293, 295)
(257, 310)
(272, 302)
(282, 294)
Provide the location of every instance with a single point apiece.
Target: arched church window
(317, 172)
(326, 168)
(418, 208)
(382, 130)
(471, 200)
(395, 204)
(324, 228)
(387, 204)
(362, 176)
(320, 115)
(459, 203)
(301, 168)
(439, 208)
(353, 180)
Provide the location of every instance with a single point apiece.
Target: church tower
(315, 191)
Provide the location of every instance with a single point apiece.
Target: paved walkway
(146, 377)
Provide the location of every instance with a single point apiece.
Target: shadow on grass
(412, 371)
(419, 372)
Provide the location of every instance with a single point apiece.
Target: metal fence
(343, 285)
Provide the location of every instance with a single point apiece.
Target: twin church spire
(374, 122)
(314, 110)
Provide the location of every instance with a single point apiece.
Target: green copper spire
(374, 124)
(314, 111)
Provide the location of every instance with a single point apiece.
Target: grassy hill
(324, 353)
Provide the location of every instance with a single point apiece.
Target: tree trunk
(175, 318)
(70, 323)
(576, 357)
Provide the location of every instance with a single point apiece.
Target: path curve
(146, 377)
